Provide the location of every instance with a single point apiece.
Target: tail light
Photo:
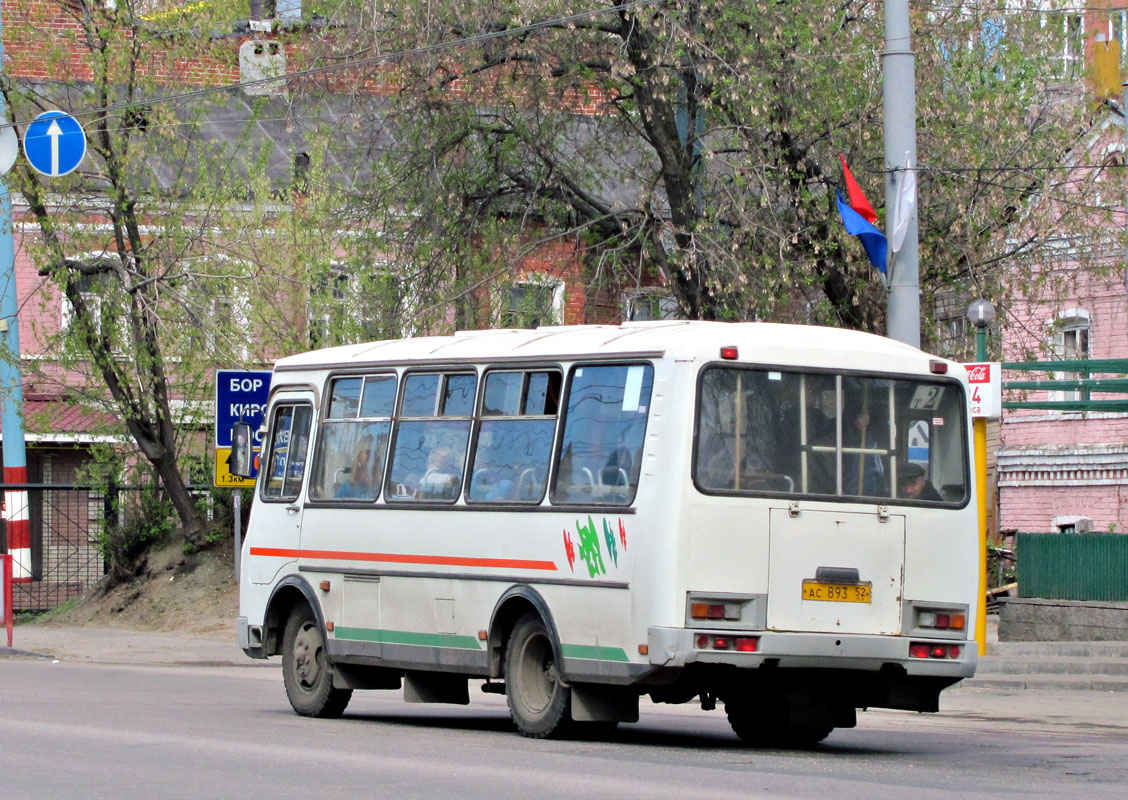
(941, 621)
(934, 650)
(742, 644)
(714, 610)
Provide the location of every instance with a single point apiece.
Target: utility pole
(11, 388)
(898, 71)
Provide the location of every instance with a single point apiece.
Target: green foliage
(143, 519)
(711, 154)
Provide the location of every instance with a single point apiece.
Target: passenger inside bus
(361, 482)
(442, 476)
(914, 485)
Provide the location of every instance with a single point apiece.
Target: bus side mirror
(242, 454)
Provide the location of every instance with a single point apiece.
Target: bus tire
(760, 727)
(306, 671)
(539, 701)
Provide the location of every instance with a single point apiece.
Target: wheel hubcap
(307, 655)
(538, 674)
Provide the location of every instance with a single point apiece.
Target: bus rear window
(770, 431)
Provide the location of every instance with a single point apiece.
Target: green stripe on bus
(593, 652)
(408, 637)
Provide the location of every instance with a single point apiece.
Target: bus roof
(757, 342)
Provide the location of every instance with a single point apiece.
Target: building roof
(56, 418)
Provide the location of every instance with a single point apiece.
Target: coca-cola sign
(979, 373)
(985, 398)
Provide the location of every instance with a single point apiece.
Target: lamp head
(981, 313)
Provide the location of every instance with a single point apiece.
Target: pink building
(1066, 467)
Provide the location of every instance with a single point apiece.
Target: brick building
(1070, 468)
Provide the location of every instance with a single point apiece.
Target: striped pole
(16, 522)
(6, 594)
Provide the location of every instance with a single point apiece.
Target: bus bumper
(676, 647)
(249, 638)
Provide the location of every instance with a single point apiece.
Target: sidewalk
(1007, 667)
(123, 646)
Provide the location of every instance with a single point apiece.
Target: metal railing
(1084, 384)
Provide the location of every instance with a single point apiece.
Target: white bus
(773, 517)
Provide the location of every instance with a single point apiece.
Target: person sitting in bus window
(361, 483)
(441, 477)
(914, 484)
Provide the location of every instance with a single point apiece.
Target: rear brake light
(930, 650)
(742, 644)
(729, 353)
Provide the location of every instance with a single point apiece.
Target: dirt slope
(189, 594)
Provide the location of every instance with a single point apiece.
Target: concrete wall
(1034, 620)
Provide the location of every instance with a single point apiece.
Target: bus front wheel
(305, 668)
(539, 702)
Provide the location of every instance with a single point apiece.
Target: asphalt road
(90, 730)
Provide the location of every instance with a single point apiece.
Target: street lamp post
(981, 313)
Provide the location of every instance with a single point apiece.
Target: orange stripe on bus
(405, 558)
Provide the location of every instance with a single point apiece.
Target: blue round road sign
(54, 143)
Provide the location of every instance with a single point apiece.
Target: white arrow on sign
(54, 131)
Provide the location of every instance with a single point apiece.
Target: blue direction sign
(240, 396)
(54, 143)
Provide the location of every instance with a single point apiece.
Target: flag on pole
(904, 205)
(872, 239)
(858, 200)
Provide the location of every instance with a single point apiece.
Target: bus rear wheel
(539, 702)
(306, 672)
(759, 726)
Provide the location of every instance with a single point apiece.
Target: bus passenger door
(835, 572)
(275, 529)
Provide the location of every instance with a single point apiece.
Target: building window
(651, 304)
(1119, 32)
(1070, 341)
(218, 312)
(1074, 45)
(532, 304)
(348, 305)
(101, 301)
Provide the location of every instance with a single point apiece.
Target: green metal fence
(1083, 384)
(1073, 566)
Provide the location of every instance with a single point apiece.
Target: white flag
(903, 208)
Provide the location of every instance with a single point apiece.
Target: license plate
(837, 592)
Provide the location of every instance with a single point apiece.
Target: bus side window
(432, 433)
(514, 439)
(604, 430)
(349, 459)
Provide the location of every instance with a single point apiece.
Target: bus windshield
(851, 436)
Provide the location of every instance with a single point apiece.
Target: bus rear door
(835, 571)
